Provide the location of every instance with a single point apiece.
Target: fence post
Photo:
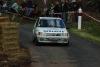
(79, 18)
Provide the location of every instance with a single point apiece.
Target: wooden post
(79, 18)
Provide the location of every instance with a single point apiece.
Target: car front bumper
(53, 39)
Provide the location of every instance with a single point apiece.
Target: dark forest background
(91, 5)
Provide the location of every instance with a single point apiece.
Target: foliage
(94, 4)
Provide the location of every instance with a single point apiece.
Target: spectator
(15, 7)
(5, 6)
(57, 7)
(34, 11)
(74, 6)
(66, 6)
(29, 8)
(79, 4)
(50, 10)
(1, 4)
(23, 5)
(64, 10)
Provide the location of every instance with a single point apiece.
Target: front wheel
(66, 44)
(35, 41)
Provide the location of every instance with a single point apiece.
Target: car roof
(49, 18)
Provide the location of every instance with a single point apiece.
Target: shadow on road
(52, 45)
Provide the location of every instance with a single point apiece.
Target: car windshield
(51, 23)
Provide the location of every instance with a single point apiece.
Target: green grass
(90, 30)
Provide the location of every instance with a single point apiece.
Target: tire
(35, 41)
(67, 43)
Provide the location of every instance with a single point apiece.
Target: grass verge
(90, 31)
(85, 35)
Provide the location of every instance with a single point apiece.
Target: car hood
(51, 30)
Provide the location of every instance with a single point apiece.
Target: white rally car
(50, 30)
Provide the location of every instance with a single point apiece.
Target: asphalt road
(80, 53)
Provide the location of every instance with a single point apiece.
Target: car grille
(53, 34)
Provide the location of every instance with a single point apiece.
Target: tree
(94, 4)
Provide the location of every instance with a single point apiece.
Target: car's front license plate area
(53, 39)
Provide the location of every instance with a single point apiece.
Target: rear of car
(50, 30)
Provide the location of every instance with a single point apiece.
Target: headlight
(65, 34)
(40, 33)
